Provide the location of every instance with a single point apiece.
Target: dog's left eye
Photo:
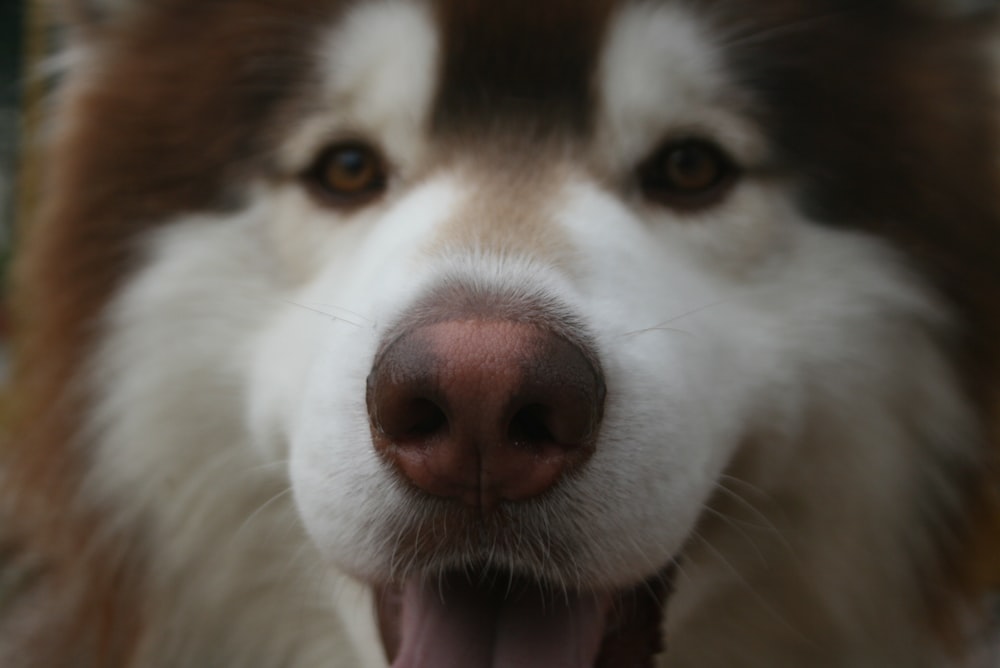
(347, 174)
(687, 174)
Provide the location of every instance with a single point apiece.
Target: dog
(457, 333)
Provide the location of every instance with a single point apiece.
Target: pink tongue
(462, 626)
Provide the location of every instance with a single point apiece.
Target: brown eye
(687, 174)
(347, 174)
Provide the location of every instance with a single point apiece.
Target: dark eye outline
(655, 181)
(317, 182)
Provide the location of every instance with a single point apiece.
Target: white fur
(659, 82)
(228, 545)
(233, 376)
(379, 65)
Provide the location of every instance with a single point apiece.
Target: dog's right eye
(347, 174)
(687, 174)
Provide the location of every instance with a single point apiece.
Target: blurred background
(14, 92)
(13, 19)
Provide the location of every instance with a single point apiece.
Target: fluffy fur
(802, 376)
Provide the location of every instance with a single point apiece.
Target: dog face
(517, 295)
(660, 242)
(530, 234)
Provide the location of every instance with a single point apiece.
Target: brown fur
(510, 209)
(175, 111)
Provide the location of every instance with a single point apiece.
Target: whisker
(663, 326)
(348, 311)
(734, 525)
(263, 466)
(327, 314)
(767, 605)
(717, 554)
(764, 521)
(746, 483)
(261, 508)
(654, 328)
(758, 34)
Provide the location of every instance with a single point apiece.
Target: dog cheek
(273, 387)
(333, 467)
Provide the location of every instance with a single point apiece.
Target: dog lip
(603, 630)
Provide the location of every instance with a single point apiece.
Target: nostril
(405, 417)
(421, 420)
(529, 427)
(428, 419)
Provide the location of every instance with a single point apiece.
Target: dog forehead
(473, 70)
(529, 63)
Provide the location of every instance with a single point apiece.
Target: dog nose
(484, 411)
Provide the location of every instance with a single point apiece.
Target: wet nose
(484, 411)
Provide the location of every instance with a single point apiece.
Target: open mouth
(501, 621)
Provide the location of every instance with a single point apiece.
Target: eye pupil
(692, 167)
(347, 173)
(349, 168)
